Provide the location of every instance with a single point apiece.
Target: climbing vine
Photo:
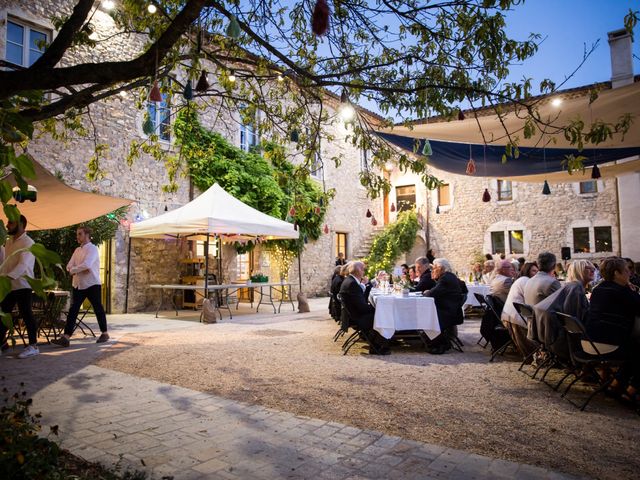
(395, 239)
(262, 178)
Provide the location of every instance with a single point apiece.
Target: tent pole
(206, 266)
(300, 268)
(126, 291)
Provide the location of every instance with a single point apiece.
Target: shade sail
(214, 212)
(59, 205)
(454, 142)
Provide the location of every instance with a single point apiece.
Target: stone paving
(171, 431)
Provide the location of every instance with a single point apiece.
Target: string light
(152, 8)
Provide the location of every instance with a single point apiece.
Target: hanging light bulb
(388, 166)
(152, 8)
(232, 77)
(486, 196)
(108, 5)
(203, 83)
(393, 207)
(154, 93)
(545, 189)
(280, 77)
(595, 172)
(347, 112)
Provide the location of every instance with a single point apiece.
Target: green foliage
(268, 182)
(63, 240)
(396, 238)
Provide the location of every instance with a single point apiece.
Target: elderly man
(425, 282)
(361, 312)
(543, 283)
(449, 294)
(502, 280)
(487, 272)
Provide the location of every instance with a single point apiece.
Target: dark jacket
(425, 282)
(334, 303)
(360, 310)
(449, 294)
(613, 311)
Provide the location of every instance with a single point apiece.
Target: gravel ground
(456, 400)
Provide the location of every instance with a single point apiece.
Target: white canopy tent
(214, 212)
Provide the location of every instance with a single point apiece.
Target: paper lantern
(486, 196)
(426, 149)
(437, 208)
(393, 207)
(292, 211)
(203, 83)
(294, 136)
(187, 93)
(320, 18)
(369, 214)
(154, 94)
(460, 115)
(545, 189)
(318, 210)
(326, 228)
(374, 222)
(595, 172)
(233, 29)
(147, 126)
(471, 167)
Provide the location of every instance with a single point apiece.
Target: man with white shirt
(84, 267)
(18, 266)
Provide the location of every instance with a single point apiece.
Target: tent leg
(206, 267)
(126, 291)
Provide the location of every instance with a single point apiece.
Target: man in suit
(361, 311)
(543, 283)
(502, 280)
(449, 294)
(425, 282)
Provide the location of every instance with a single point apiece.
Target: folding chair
(48, 317)
(526, 313)
(494, 311)
(483, 305)
(585, 363)
(358, 334)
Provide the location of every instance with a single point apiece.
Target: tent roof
(215, 212)
(453, 142)
(59, 205)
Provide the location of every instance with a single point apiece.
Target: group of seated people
(609, 315)
(436, 280)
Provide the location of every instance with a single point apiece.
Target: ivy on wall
(396, 238)
(264, 180)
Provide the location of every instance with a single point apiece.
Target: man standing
(17, 267)
(84, 266)
(543, 283)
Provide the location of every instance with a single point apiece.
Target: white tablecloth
(480, 288)
(404, 313)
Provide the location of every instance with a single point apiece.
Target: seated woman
(510, 318)
(336, 282)
(614, 308)
(449, 294)
(570, 299)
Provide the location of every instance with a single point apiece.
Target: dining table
(396, 312)
(480, 288)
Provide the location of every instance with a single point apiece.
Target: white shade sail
(214, 212)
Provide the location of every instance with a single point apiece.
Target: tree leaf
(24, 165)
(47, 257)
(11, 212)
(5, 288)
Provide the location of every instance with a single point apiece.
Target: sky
(568, 25)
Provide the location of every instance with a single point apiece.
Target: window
(406, 198)
(248, 134)
(497, 242)
(341, 244)
(444, 197)
(160, 116)
(505, 191)
(516, 241)
(603, 239)
(590, 186)
(581, 240)
(364, 160)
(316, 169)
(244, 266)
(24, 44)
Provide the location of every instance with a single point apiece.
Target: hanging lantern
(154, 94)
(292, 211)
(321, 202)
(374, 222)
(344, 96)
(318, 210)
(294, 136)
(595, 172)
(486, 196)
(166, 209)
(306, 239)
(393, 207)
(471, 167)
(426, 149)
(147, 126)
(320, 18)
(233, 29)
(368, 213)
(326, 228)
(437, 208)
(460, 115)
(545, 189)
(203, 83)
(187, 93)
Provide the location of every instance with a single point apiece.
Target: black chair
(358, 335)
(499, 333)
(483, 306)
(48, 315)
(587, 364)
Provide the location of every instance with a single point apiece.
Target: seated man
(425, 282)
(502, 280)
(361, 312)
(449, 294)
(487, 272)
(543, 283)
